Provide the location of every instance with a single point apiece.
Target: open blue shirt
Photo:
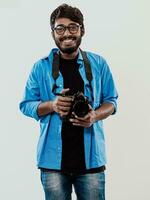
(39, 89)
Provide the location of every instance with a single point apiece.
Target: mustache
(67, 37)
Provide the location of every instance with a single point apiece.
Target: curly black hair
(67, 11)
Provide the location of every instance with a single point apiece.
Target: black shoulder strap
(87, 66)
(55, 66)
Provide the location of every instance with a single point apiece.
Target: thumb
(90, 108)
(64, 90)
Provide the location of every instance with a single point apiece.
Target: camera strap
(55, 69)
(87, 66)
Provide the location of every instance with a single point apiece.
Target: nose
(67, 33)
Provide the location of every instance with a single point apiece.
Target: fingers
(64, 99)
(85, 118)
(63, 108)
(85, 121)
(63, 114)
(77, 122)
(63, 103)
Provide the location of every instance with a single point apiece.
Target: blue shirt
(39, 89)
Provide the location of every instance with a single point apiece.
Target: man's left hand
(85, 121)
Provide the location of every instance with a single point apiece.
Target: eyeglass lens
(73, 28)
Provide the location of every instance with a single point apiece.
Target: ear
(82, 31)
(52, 33)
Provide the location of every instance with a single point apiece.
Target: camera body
(79, 106)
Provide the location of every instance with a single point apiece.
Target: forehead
(64, 21)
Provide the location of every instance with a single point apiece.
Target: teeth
(68, 39)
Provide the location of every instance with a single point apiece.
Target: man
(71, 149)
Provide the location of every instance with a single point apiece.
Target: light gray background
(119, 30)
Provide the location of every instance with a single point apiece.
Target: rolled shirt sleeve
(109, 92)
(31, 99)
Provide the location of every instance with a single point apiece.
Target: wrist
(95, 119)
(51, 106)
(97, 115)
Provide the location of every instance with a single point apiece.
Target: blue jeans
(58, 186)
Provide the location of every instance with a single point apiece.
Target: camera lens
(80, 108)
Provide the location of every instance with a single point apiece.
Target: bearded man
(70, 92)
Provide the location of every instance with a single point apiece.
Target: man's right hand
(62, 104)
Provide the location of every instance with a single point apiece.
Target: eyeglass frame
(67, 28)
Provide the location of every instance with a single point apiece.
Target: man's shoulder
(40, 67)
(41, 63)
(46, 59)
(95, 57)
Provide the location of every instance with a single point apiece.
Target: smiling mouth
(68, 41)
(67, 38)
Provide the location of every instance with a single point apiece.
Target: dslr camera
(79, 106)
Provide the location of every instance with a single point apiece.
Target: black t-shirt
(72, 136)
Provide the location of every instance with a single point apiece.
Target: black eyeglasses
(73, 29)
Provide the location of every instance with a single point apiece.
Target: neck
(69, 56)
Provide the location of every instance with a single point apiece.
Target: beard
(69, 49)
